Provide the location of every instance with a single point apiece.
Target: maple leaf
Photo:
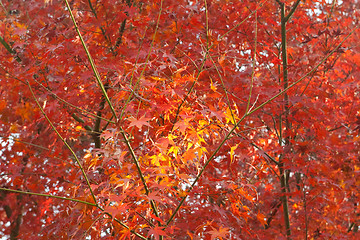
(108, 134)
(221, 233)
(115, 210)
(156, 231)
(21, 30)
(182, 126)
(189, 155)
(232, 151)
(139, 122)
(212, 86)
(261, 218)
(156, 218)
(154, 196)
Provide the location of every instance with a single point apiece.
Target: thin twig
(205, 57)
(240, 23)
(146, 60)
(97, 76)
(48, 195)
(65, 143)
(72, 105)
(306, 75)
(132, 153)
(253, 66)
(93, 66)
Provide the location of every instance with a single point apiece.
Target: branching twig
(288, 16)
(72, 105)
(65, 143)
(248, 114)
(240, 23)
(205, 57)
(305, 76)
(93, 66)
(146, 60)
(50, 196)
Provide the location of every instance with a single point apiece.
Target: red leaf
(139, 122)
(156, 232)
(221, 233)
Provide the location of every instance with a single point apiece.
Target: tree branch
(288, 16)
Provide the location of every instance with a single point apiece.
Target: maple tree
(211, 119)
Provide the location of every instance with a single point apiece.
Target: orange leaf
(261, 218)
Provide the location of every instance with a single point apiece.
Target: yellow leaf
(175, 150)
(158, 79)
(87, 155)
(229, 116)
(212, 86)
(189, 146)
(202, 123)
(171, 137)
(80, 128)
(232, 151)
(155, 160)
(93, 162)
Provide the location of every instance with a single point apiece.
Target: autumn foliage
(164, 119)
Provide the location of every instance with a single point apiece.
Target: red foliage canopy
(212, 119)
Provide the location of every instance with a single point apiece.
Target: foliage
(212, 119)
